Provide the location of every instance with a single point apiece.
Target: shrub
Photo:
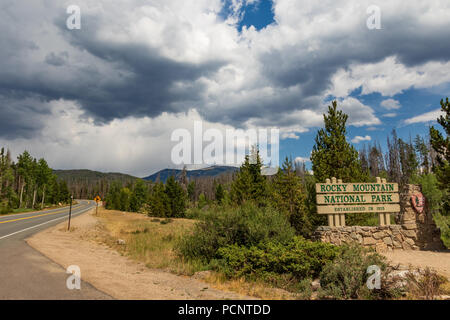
(346, 277)
(244, 226)
(298, 257)
(424, 284)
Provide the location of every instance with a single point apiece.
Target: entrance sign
(358, 198)
(380, 208)
(356, 187)
(335, 198)
(418, 202)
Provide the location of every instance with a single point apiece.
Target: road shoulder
(112, 273)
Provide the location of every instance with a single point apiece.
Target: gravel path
(437, 260)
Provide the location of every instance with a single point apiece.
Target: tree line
(28, 183)
(292, 189)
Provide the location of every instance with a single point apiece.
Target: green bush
(243, 226)
(298, 257)
(346, 277)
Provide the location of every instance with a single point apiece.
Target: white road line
(37, 212)
(65, 217)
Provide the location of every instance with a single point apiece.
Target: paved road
(27, 274)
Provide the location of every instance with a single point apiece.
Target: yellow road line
(40, 215)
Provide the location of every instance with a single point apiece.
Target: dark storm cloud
(57, 59)
(15, 111)
(117, 79)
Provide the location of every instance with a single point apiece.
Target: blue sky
(412, 102)
(109, 95)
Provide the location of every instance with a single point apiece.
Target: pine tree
(442, 147)
(159, 202)
(191, 191)
(219, 193)
(139, 196)
(290, 198)
(176, 197)
(332, 155)
(250, 184)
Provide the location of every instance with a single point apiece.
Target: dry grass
(253, 289)
(152, 240)
(425, 284)
(148, 240)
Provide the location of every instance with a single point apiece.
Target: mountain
(92, 176)
(205, 172)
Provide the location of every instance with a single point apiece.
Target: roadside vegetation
(28, 184)
(253, 230)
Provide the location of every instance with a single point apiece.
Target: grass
(148, 240)
(151, 241)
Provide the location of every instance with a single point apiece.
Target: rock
(315, 285)
(410, 233)
(369, 241)
(121, 241)
(387, 241)
(381, 247)
(378, 235)
(409, 226)
(397, 244)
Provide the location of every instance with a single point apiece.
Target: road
(27, 274)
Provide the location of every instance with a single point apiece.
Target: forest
(28, 184)
(419, 160)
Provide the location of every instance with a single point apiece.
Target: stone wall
(413, 231)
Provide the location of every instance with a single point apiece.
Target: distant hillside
(86, 184)
(75, 175)
(206, 172)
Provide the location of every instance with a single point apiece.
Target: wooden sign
(342, 209)
(357, 198)
(356, 187)
(335, 199)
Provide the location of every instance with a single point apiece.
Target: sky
(109, 95)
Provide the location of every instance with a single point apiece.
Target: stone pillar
(418, 228)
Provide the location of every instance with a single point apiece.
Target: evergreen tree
(191, 191)
(176, 197)
(159, 202)
(332, 155)
(219, 193)
(442, 147)
(250, 184)
(290, 198)
(139, 196)
(125, 199)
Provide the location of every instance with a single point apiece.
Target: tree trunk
(43, 197)
(34, 198)
(21, 195)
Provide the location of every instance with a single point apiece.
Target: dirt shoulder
(437, 260)
(112, 273)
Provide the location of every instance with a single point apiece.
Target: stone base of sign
(413, 231)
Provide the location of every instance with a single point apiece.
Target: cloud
(390, 115)
(135, 60)
(302, 159)
(390, 104)
(358, 139)
(426, 117)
